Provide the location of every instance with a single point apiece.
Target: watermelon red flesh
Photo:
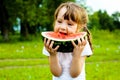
(64, 41)
(62, 37)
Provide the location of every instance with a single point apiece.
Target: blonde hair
(77, 14)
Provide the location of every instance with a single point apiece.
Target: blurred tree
(101, 20)
(116, 18)
(26, 10)
(4, 21)
(94, 21)
(29, 18)
(106, 22)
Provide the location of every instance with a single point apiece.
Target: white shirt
(65, 61)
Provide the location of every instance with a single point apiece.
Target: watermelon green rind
(65, 45)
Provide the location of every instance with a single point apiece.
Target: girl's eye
(59, 21)
(70, 24)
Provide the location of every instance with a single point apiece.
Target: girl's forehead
(66, 13)
(61, 13)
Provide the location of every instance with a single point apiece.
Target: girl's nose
(63, 27)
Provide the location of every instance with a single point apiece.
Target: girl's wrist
(53, 54)
(76, 58)
(77, 55)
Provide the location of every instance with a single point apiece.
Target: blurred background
(21, 24)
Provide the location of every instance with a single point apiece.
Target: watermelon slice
(63, 40)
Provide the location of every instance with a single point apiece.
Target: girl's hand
(48, 45)
(78, 48)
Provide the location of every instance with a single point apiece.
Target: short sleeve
(87, 50)
(45, 52)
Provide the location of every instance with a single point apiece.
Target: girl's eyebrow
(59, 19)
(71, 21)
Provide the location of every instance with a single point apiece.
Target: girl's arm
(77, 60)
(76, 66)
(55, 67)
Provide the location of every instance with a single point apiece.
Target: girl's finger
(85, 41)
(48, 43)
(79, 41)
(73, 43)
(56, 48)
(44, 40)
(85, 38)
(82, 41)
(51, 44)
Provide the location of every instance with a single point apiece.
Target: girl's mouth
(62, 33)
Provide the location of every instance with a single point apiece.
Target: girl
(69, 19)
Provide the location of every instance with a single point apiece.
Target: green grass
(25, 61)
(25, 73)
(31, 49)
(103, 70)
(22, 62)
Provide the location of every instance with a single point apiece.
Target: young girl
(69, 19)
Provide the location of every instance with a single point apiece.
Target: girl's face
(64, 26)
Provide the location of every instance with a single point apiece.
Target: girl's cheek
(71, 31)
(56, 28)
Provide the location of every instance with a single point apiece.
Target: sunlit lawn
(25, 61)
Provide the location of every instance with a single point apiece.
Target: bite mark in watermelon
(64, 41)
